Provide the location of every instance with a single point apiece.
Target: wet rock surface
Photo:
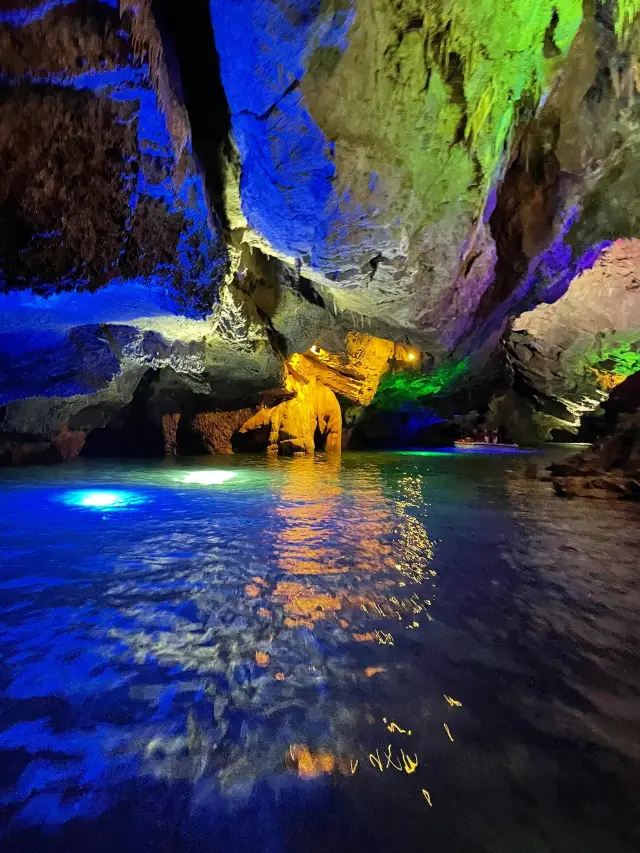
(611, 468)
(188, 202)
(310, 420)
(570, 354)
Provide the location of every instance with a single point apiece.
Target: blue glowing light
(102, 499)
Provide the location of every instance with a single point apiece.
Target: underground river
(382, 653)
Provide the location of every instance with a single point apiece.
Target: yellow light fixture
(412, 356)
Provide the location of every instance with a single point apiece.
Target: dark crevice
(473, 257)
(277, 340)
(374, 263)
(550, 48)
(604, 13)
(189, 33)
(461, 131)
(414, 24)
(132, 430)
(522, 222)
(306, 289)
(452, 68)
(274, 106)
(453, 75)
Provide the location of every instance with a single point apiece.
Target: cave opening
(132, 431)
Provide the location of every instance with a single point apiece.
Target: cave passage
(299, 302)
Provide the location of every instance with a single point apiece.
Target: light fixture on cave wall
(405, 357)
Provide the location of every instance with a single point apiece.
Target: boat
(470, 444)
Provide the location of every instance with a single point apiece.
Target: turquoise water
(392, 652)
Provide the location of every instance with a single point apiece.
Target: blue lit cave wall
(289, 185)
(431, 165)
(103, 211)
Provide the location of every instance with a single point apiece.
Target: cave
(319, 426)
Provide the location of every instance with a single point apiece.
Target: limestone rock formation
(571, 353)
(201, 205)
(216, 429)
(369, 135)
(170, 424)
(354, 372)
(293, 425)
(100, 189)
(17, 448)
(611, 468)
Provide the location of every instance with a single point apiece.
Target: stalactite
(501, 50)
(626, 13)
(146, 41)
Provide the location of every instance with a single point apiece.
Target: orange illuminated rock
(252, 590)
(262, 659)
(328, 418)
(370, 671)
(293, 423)
(310, 418)
(355, 373)
(607, 381)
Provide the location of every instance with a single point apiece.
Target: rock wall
(611, 468)
(392, 185)
(570, 354)
(100, 187)
(310, 420)
(216, 429)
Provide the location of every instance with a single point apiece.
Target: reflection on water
(385, 652)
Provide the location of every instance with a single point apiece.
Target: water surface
(385, 653)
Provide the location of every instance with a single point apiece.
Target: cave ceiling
(212, 189)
